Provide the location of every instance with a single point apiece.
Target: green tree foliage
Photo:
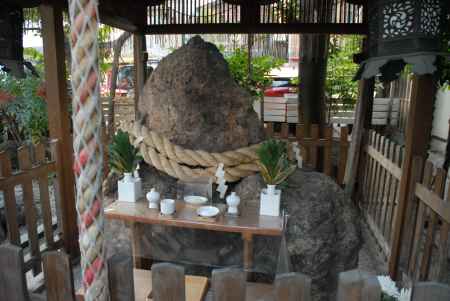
(341, 69)
(261, 67)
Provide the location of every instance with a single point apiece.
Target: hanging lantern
(404, 31)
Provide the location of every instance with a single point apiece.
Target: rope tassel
(87, 145)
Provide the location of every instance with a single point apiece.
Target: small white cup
(167, 206)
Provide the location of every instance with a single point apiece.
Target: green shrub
(123, 156)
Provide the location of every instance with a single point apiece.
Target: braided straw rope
(87, 147)
(185, 164)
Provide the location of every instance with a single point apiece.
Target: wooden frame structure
(167, 17)
(228, 16)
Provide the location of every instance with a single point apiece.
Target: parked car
(280, 86)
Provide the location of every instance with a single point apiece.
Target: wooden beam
(140, 64)
(330, 28)
(416, 144)
(363, 120)
(59, 119)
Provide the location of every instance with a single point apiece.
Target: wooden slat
(284, 130)
(442, 256)
(10, 200)
(13, 285)
(431, 291)
(433, 201)
(228, 284)
(385, 219)
(327, 153)
(269, 129)
(315, 132)
(438, 189)
(44, 197)
(343, 153)
(426, 180)
(30, 210)
(292, 287)
(393, 168)
(383, 183)
(374, 178)
(58, 276)
(378, 179)
(120, 278)
(168, 281)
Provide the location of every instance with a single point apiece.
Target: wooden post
(58, 277)
(12, 274)
(312, 74)
(120, 278)
(58, 118)
(140, 66)
(363, 120)
(228, 284)
(140, 61)
(417, 137)
(292, 287)
(169, 281)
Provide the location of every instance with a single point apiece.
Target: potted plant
(275, 169)
(123, 160)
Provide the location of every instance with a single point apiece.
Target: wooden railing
(35, 164)
(310, 144)
(427, 225)
(381, 173)
(168, 282)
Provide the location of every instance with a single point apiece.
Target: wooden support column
(140, 61)
(416, 144)
(59, 119)
(312, 75)
(140, 66)
(363, 120)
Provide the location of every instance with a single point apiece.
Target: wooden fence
(36, 165)
(381, 173)
(427, 224)
(312, 142)
(169, 282)
(424, 243)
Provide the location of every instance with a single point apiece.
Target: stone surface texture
(323, 231)
(192, 99)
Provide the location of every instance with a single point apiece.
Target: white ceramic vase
(153, 199)
(270, 201)
(129, 188)
(233, 201)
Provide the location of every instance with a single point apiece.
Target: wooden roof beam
(361, 29)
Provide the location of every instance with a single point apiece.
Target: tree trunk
(117, 48)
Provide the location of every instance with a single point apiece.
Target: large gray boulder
(323, 232)
(192, 99)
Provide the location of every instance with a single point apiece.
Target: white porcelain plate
(195, 199)
(208, 211)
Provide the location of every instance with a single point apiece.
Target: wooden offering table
(248, 224)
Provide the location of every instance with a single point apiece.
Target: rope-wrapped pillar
(87, 145)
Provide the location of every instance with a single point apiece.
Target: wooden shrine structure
(223, 16)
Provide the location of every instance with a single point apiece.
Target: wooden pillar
(140, 60)
(140, 67)
(59, 119)
(416, 144)
(363, 121)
